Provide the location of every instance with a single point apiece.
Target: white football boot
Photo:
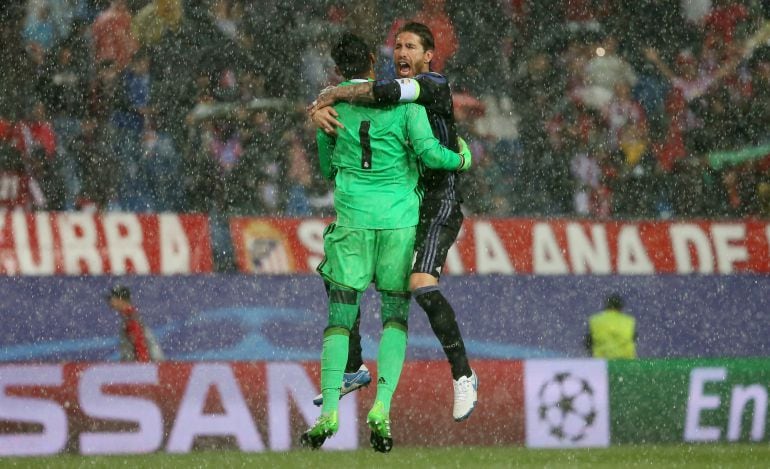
(466, 396)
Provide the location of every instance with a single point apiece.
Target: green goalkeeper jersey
(373, 161)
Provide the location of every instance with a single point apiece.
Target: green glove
(465, 155)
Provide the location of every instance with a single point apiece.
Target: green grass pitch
(624, 457)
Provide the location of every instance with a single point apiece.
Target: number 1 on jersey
(366, 145)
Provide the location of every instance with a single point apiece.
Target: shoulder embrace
(433, 77)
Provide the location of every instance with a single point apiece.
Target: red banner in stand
(539, 247)
(81, 243)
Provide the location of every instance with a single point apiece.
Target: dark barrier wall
(276, 318)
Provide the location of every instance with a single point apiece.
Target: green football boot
(325, 426)
(379, 423)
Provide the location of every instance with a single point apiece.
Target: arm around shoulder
(356, 93)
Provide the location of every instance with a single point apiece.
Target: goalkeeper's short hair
(351, 56)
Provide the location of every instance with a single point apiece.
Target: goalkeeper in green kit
(373, 162)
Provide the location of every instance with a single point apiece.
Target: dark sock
(442, 320)
(355, 360)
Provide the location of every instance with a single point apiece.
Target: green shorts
(355, 257)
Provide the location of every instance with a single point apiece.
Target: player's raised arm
(428, 148)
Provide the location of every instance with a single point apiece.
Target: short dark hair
(351, 55)
(120, 292)
(614, 301)
(426, 37)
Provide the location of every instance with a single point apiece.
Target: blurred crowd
(586, 108)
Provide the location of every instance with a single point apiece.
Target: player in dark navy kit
(440, 212)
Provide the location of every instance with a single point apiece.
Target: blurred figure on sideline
(137, 342)
(612, 332)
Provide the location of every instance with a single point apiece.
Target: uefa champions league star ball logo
(567, 407)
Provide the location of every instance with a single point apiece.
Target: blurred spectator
(36, 140)
(15, 65)
(317, 69)
(137, 342)
(763, 199)
(480, 25)
(107, 95)
(138, 87)
(724, 17)
(265, 24)
(64, 85)
(163, 168)
(98, 170)
(225, 147)
(688, 79)
(64, 90)
(227, 16)
(687, 191)
(156, 19)
(486, 188)
(538, 95)
(491, 126)
(604, 72)
(758, 114)
(622, 111)
(590, 197)
(209, 167)
(585, 14)
(36, 132)
(117, 113)
(62, 13)
(695, 11)
(18, 187)
(298, 176)
(39, 28)
(112, 37)
(635, 191)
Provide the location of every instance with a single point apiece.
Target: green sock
(390, 362)
(333, 358)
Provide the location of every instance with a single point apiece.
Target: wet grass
(669, 456)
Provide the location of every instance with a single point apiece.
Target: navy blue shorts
(440, 222)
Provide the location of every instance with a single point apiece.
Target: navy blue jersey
(433, 93)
